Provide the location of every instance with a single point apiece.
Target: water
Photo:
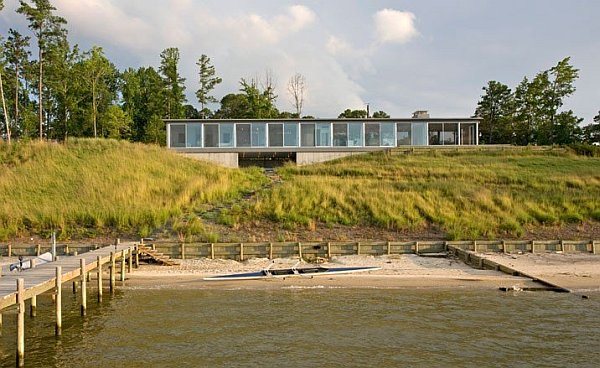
(315, 328)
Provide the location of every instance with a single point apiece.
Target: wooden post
(533, 246)
(33, 306)
(38, 250)
(123, 265)
(137, 257)
(83, 280)
(270, 250)
(99, 276)
(9, 251)
(593, 247)
(130, 261)
(300, 250)
(21, 322)
(241, 252)
(562, 245)
(328, 249)
(503, 246)
(58, 301)
(67, 249)
(212, 250)
(358, 248)
(112, 272)
(182, 250)
(474, 246)
(417, 248)
(389, 247)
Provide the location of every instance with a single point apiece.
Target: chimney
(420, 114)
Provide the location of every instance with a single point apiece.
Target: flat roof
(332, 120)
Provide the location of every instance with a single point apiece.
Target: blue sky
(398, 56)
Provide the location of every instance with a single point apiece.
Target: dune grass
(469, 195)
(89, 187)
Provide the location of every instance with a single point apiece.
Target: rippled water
(316, 328)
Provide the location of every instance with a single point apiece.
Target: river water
(314, 327)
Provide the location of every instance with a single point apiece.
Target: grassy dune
(469, 195)
(89, 187)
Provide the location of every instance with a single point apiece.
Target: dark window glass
(275, 135)
(211, 135)
(372, 134)
(242, 135)
(340, 135)
(307, 132)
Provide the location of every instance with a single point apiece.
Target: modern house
(233, 142)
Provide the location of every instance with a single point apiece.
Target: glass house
(318, 134)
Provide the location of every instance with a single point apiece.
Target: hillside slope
(92, 187)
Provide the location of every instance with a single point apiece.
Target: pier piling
(112, 272)
(129, 260)
(83, 287)
(123, 265)
(21, 323)
(33, 306)
(58, 290)
(99, 277)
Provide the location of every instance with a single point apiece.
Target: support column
(123, 265)
(130, 261)
(112, 272)
(137, 257)
(58, 290)
(21, 323)
(33, 306)
(99, 276)
(83, 280)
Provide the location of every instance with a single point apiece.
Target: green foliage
(381, 115)
(107, 186)
(469, 195)
(174, 83)
(585, 149)
(353, 114)
(208, 81)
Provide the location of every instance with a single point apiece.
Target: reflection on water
(315, 327)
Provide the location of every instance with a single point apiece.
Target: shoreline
(397, 271)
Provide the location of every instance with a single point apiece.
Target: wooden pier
(17, 287)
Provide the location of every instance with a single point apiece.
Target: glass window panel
(177, 137)
(323, 134)
(242, 135)
(290, 134)
(403, 136)
(307, 132)
(259, 134)
(355, 134)
(388, 134)
(226, 135)
(340, 135)
(211, 135)
(419, 134)
(467, 133)
(372, 134)
(194, 135)
(435, 134)
(450, 136)
(275, 135)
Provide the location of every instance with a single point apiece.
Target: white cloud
(394, 26)
(337, 46)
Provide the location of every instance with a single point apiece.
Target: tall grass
(89, 186)
(469, 195)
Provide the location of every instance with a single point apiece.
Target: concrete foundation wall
(307, 158)
(227, 159)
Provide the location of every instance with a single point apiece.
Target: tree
(17, 55)
(260, 103)
(97, 71)
(208, 81)
(296, 89)
(173, 82)
(116, 123)
(591, 132)
(234, 106)
(381, 115)
(495, 108)
(6, 117)
(353, 114)
(45, 26)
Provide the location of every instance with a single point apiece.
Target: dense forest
(53, 90)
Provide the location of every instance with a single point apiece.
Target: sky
(396, 56)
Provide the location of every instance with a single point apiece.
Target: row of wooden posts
(307, 250)
(80, 276)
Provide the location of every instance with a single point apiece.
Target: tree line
(531, 113)
(67, 92)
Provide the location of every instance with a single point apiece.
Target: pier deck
(42, 278)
